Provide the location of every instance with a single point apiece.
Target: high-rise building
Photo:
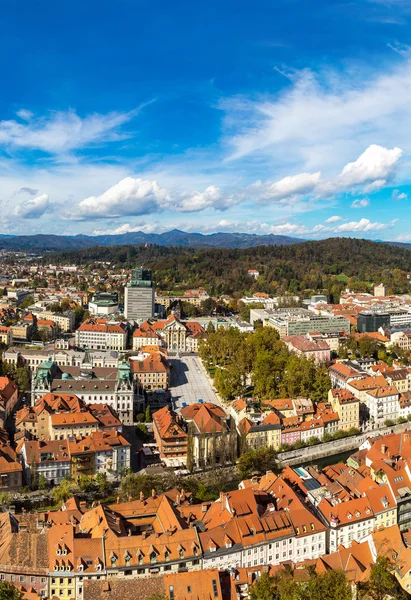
(139, 296)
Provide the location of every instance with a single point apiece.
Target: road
(189, 382)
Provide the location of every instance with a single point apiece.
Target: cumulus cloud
(333, 219)
(212, 197)
(128, 197)
(133, 197)
(374, 165)
(360, 203)
(363, 225)
(61, 132)
(288, 188)
(32, 209)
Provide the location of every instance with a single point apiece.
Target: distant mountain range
(44, 242)
(48, 242)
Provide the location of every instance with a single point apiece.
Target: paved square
(189, 382)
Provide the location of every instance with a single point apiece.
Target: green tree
(328, 586)
(148, 415)
(382, 582)
(5, 498)
(28, 301)
(64, 491)
(9, 592)
(103, 483)
(42, 485)
(257, 462)
(228, 382)
(85, 483)
(263, 588)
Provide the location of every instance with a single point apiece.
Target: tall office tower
(139, 296)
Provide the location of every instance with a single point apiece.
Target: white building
(383, 404)
(102, 335)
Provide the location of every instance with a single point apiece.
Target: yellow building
(346, 406)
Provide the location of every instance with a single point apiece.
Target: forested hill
(306, 266)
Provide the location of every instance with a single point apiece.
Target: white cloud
(128, 197)
(62, 132)
(363, 225)
(375, 164)
(212, 197)
(32, 209)
(132, 197)
(154, 227)
(363, 203)
(333, 219)
(397, 195)
(287, 189)
(24, 114)
(321, 119)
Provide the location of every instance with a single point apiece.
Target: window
(215, 591)
(171, 592)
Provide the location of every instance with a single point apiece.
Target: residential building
(49, 459)
(9, 395)
(6, 336)
(347, 406)
(383, 404)
(171, 437)
(11, 471)
(65, 321)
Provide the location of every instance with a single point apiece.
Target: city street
(189, 382)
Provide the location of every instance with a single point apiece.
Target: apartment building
(171, 436)
(383, 404)
(6, 336)
(65, 321)
(347, 406)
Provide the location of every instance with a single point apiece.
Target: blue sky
(287, 116)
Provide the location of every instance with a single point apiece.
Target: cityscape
(205, 300)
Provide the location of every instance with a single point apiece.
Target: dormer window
(113, 561)
(127, 560)
(98, 568)
(140, 558)
(181, 553)
(64, 552)
(153, 557)
(58, 551)
(56, 567)
(81, 568)
(166, 555)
